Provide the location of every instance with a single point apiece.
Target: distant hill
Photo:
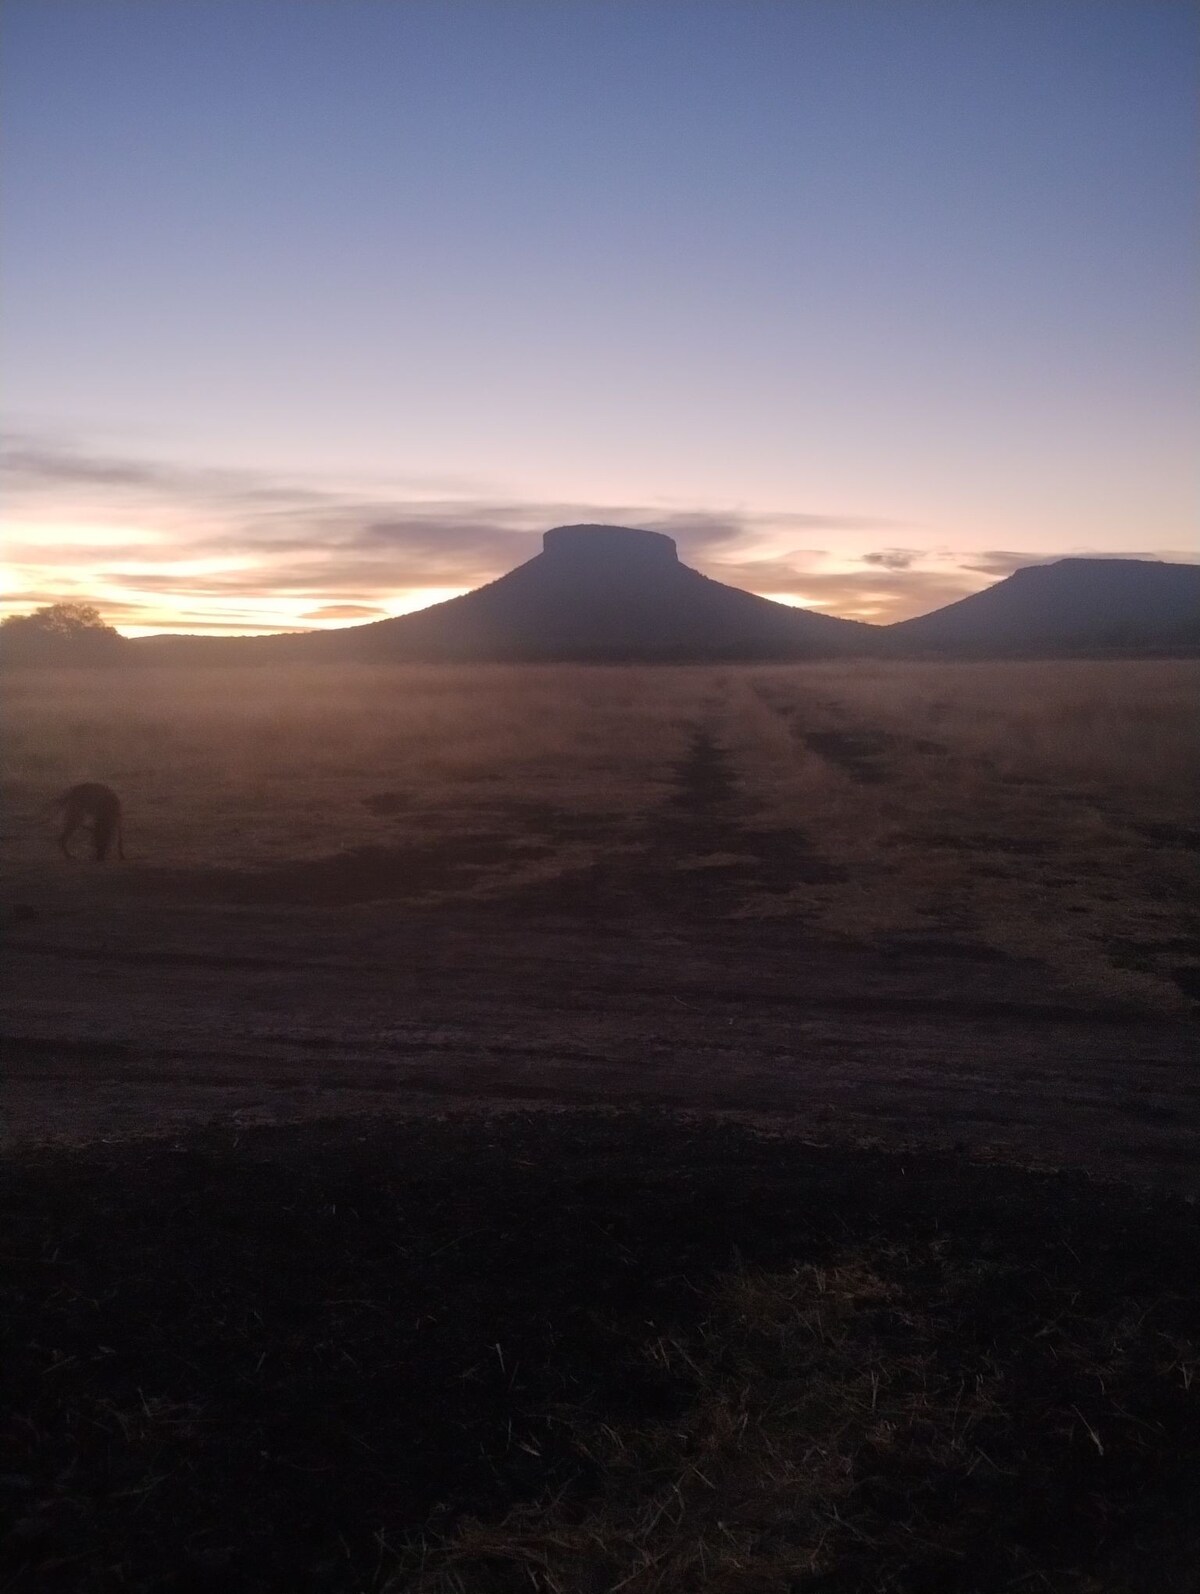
(1074, 606)
(618, 593)
(593, 593)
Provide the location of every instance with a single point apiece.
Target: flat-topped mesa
(590, 547)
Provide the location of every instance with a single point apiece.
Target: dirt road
(140, 1016)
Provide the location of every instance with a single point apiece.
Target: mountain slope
(619, 593)
(1072, 606)
(593, 593)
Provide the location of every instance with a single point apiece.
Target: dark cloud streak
(346, 552)
(338, 544)
(893, 558)
(346, 611)
(38, 469)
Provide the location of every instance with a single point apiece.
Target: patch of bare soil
(386, 803)
(597, 1350)
(358, 874)
(1185, 837)
(576, 957)
(858, 754)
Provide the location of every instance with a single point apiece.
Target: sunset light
(600, 650)
(511, 334)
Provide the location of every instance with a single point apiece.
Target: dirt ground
(917, 945)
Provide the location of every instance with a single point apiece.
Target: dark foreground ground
(533, 1202)
(569, 1350)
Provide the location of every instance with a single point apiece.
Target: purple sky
(319, 311)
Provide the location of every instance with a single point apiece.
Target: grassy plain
(567, 1130)
(1043, 809)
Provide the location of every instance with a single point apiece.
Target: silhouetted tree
(61, 633)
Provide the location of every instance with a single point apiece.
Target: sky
(322, 310)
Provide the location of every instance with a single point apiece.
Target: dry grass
(278, 762)
(742, 1490)
(590, 1353)
(1041, 808)
(599, 733)
(821, 1398)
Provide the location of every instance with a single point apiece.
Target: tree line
(61, 633)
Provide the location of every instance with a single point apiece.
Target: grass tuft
(591, 1352)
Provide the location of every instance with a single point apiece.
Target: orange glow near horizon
(32, 577)
(284, 618)
(188, 570)
(215, 614)
(270, 615)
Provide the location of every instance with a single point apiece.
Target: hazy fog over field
(321, 313)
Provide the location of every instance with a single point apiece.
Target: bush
(61, 633)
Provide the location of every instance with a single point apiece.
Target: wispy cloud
(880, 597)
(34, 465)
(161, 545)
(893, 558)
(346, 611)
(330, 554)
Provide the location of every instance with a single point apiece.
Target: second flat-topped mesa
(628, 546)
